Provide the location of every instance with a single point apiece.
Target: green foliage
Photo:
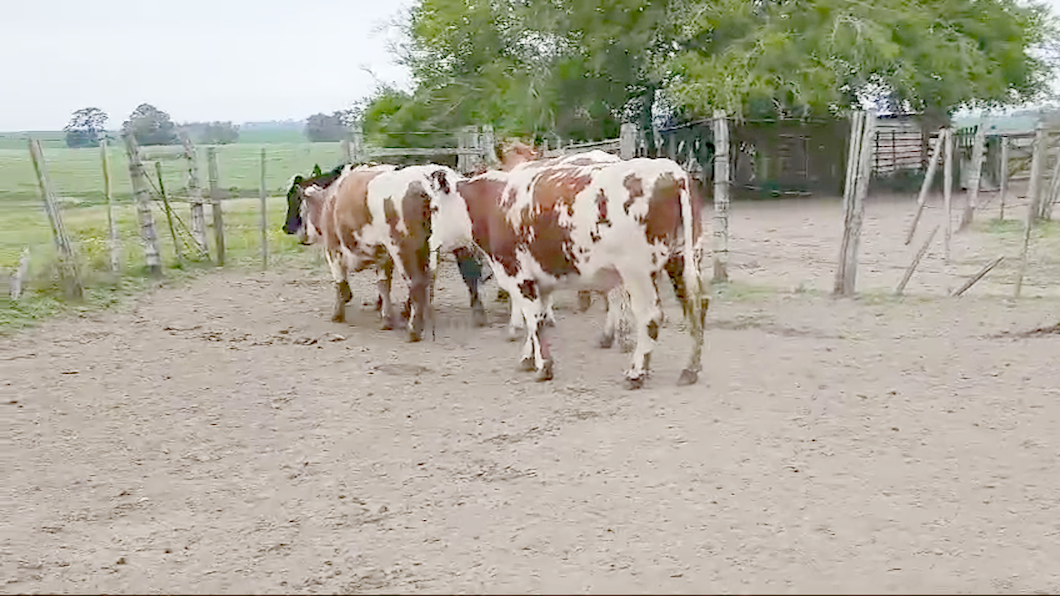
(212, 133)
(86, 128)
(324, 128)
(151, 126)
(580, 67)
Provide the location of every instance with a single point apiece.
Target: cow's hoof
(545, 374)
(513, 334)
(338, 317)
(415, 336)
(478, 316)
(688, 377)
(526, 365)
(605, 341)
(636, 383)
(585, 300)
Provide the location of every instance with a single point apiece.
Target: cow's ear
(317, 171)
(297, 180)
(440, 181)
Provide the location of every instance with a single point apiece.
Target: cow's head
(514, 152)
(304, 203)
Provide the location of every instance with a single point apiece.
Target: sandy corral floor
(224, 436)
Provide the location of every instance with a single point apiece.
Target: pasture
(223, 435)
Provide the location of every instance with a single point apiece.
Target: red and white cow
(592, 223)
(378, 216)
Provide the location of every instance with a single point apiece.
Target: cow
(597, 224)
(334, 210)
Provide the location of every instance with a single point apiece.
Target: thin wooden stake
(67, 264)
(929, 177)
(215, 204)
(857, 122)
(916, 261)
(947, 193)
(978, 149)
(114, 247)
(18, 281)
(978, 276)
(1041, 152)
(194, 187)
(264, 216)
(1003, 191)
(169, 214)
(1027, 225)
(143, 207)
(721, 197)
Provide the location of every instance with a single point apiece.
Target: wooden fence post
(978, 276)
(1004, 177)
(114, 242)
(67, 263)
(215, 204)
(1041, 153)
(488, 145)
(264, 216)
(947, 193)
(916, 261)
(198, 210)
(627, 141)
(846, 273)
(721, 197)
(152, 258)
(929, 177)
(358, 152)
(169, 214)
(347, 151)
(978, 149)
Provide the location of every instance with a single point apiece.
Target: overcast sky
(239, 60)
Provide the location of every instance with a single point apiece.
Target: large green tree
(580, 67)
(86, 128)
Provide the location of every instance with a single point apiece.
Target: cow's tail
(694, 291)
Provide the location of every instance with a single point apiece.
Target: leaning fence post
(264, 195)
(143, 206)
(18, 281)
(721, 197)
(947, 193)
(215, 204)
(68, 266)
(114, 247)
(929, 177)
(916, 261)
(169, 214)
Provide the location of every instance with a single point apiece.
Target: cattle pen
(890, 422)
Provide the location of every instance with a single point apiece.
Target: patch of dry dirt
(226, 437)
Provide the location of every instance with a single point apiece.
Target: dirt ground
(224, 436)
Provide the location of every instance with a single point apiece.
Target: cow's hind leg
(383, 283)
(471, 271)
(694, 302)
(647, 316)
(537, 355)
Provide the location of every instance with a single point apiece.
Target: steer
(333, 209)
(592, 224)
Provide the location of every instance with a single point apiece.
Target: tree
(581, 67)
(151, 126)
(86, 128)
(326, 128)
(219, 133)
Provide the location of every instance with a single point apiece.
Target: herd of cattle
(590, 221)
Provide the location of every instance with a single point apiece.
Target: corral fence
(179, 194)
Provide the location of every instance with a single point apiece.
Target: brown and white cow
(359, 229)
(597, 224)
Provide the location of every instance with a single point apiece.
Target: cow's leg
(694, 303)
(471, 271)
(585, 300)
(342, 286)
(607, 338)
(516, 321)
(537, 355)
(550, 315)
(647, 315)
(385, 278)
